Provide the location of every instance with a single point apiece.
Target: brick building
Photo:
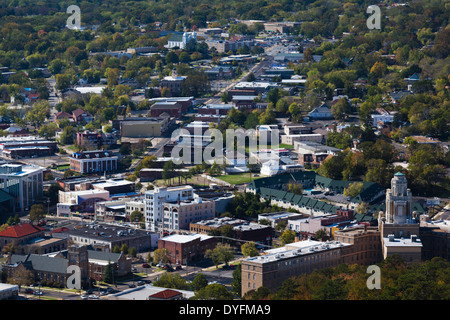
(20, 234)
(93, 161)
(184, 249)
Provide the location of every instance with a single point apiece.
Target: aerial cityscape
(224, 150)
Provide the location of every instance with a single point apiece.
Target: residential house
(81, 116)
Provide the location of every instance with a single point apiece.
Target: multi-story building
(155, 200)
(80, 202)
(179, 214)
(98, 161)
(105, 238)
(144, 127)
(242, 229)
(26, 146)
(92, 140)
(277, 265)
(184, 249)
(173, 83)
(398, 228)
(366, 244)
(22, 183)
(51, 269)
(20, 234)
(229, 45)
(172, 108)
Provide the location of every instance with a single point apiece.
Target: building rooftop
(181, 238)
(143, 292)
(20, 230)
(295, 249)
(412, 241)
(105, 232)
(19, 170)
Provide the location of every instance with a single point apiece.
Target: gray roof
(105, 256)
(41, 263)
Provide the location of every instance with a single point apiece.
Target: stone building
(399, 230)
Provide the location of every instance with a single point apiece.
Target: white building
(154, 203)
(180, 40)
(8, 291)
(79, 201)
(23, 183)
(179, 214)
(381, 118)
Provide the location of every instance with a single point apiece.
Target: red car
(145, 265)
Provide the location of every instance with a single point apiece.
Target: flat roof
(112, 183)
(295, 249)
(402, 242)
(182, 238)
(143, 292)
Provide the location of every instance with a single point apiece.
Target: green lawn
(238, 178)
(286, 146)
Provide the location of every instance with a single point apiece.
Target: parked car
(145, 265)
(94, 296)
(84, 297)
(140, 283)
(131, 285)
(38, 293)
(29, 291)
(178, 267)
(168, 268)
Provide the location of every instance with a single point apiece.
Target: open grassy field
(238, 178)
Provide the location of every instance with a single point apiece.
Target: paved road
(257, 70)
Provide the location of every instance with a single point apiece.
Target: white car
(93, 296)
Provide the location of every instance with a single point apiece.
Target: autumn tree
(248, 249)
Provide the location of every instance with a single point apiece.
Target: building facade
(93, 162)
(399, 230)
(184, 249)
(23, 183)
(179, 214)
(155, 200)
(277, 265)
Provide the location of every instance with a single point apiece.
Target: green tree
(353, 189)
(38, 113)
(237, 280)
(37, 212)
(248, 249)
(171, 280)
(108, 273)
(213, 291)
(296, 188)
(221, 253)
(288, 236)
(161, 256)
(199, 282)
